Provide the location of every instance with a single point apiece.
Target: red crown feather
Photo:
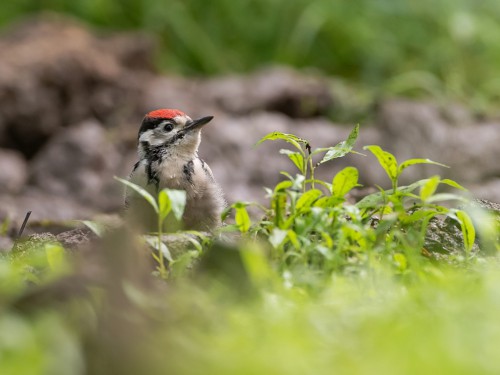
(165, 113)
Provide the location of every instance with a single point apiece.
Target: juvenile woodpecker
(168, 158)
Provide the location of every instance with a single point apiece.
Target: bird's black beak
(196, 124)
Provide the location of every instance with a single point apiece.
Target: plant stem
(312, 171)
(304, 171)
(162, 259)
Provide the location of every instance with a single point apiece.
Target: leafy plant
(311, 224)
(424, 206)
(302, 157)
(169, 201)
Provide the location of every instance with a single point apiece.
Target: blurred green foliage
(440, 319)
(444, 48)
(318, 285)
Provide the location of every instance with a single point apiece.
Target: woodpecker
(167, 147)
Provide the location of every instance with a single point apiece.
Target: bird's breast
(184, 175)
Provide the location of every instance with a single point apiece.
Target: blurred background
(421, 77)
(76, 77)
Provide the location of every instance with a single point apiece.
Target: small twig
(26, 218)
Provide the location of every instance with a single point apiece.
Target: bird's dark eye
(168, 127)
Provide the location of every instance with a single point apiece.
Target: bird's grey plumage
(168, 158)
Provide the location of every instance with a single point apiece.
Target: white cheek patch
(147, 136)
(157, 137)
(152, 138)
(182, 120)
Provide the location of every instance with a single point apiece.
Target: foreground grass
(437, 319)
(445, 323)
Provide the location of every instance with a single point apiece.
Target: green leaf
(142, 192)
(453, 184)
(446, 197)
(307, 199)
(335, 152)
(342, 148)
(256, 264)
(164, 205)
(225, 213)
(287, 175)
(400, 261)
(327, 239)
(158, 245)
(295, 157)
(468, 230)
(242, 218)
(417, 216)
(331, 201)
(373, 200)
(177, 200)
(325, 251)
(298, 182)
(488, 228)
(279, 207)
(97, 228)
(344, 181)
(55, 257)
(353, 136)
(327, 185)
(290, 138)
(195, 238)
(277, 237)
(409, 162)
(386, 160)
(429, 187)
(283, 185)
(293, 238)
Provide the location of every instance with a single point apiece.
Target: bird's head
(171, 128)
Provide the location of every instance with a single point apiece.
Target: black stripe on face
(177, 136)
(150, 123)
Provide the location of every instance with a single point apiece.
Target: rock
(79, 164)
(13, 171)
(489, 189)
(54, 72)
(444, 235)
(44, 207)
(276, 89)
(76, 238)
(188, 95)
(411, 129)
(26, 244)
